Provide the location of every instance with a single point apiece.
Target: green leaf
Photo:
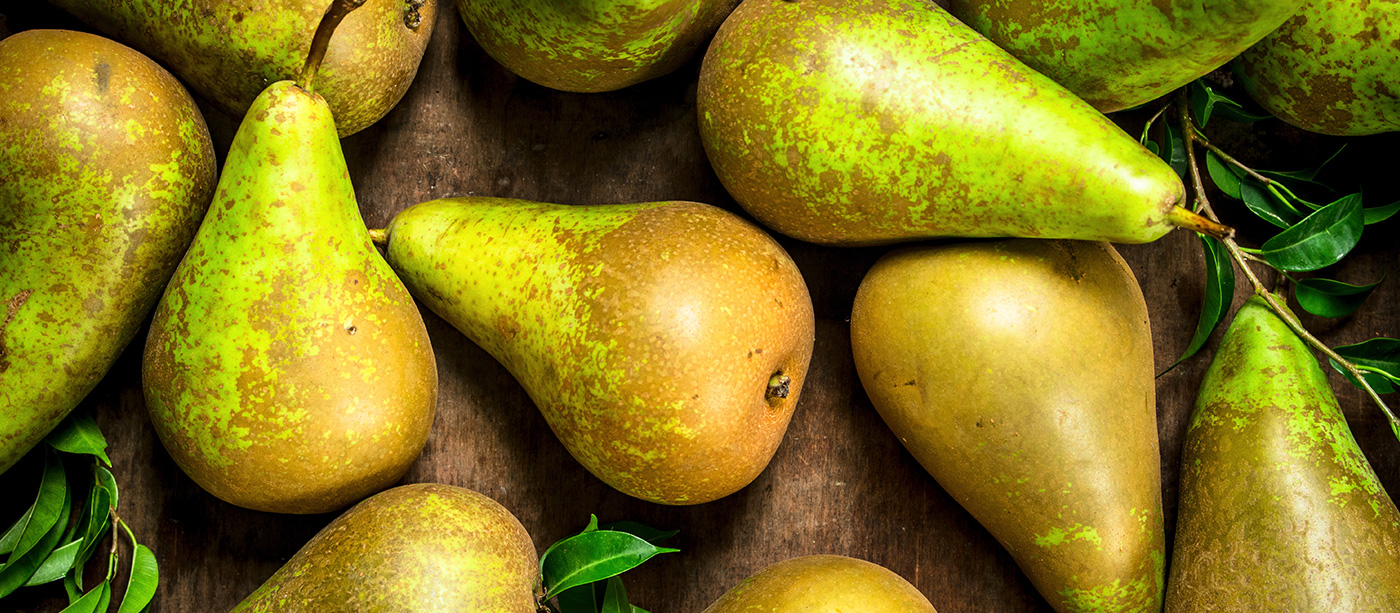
(79, 434)
(1377, 214)
(1220, 290)
(53, 491)
(615, 598)
(1321, 239)
(19, 569)
(1223, 176)
(1258, 200)
(646, 533)
(592, 523)
(106, 481)
(1174, 150)
(593, 556)
(1328, 298)
(56, 565)
(1380, 353)
(1202, 102)
(637, 609)
(1236, 113)
(141, 585)
(91, 602)
(1153, 147)
(581, 599)
(1305, 176)
(95, 524)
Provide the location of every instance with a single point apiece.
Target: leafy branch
(580, 573)
(1319, 239)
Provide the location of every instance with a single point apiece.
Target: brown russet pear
(287, 368)
(106, 169)
(822, 583)
(1019, 374)
(1279, 509)
(665, 343)
(421, 548)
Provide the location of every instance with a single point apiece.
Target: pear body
(822, 583)
(421, 548)
(878, 121)
(592, 45)
(1118, 54)
(1279, 510)
(228, 51)
(647, 334)
(106, 169)
(287, 368)
(1332, 68)
(1019, 374)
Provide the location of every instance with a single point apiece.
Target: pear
(822, 583)
(1279, 509)
(665, 343)
(1019, 374)
(416, 548)
(106, 169)
(1118, 54)
(287, 368)
(861, 122)
(592, 45)
(1332, 68)
(228, 51)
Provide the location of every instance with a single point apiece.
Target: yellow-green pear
(822, 584)
(1019, 374)
(665, 343)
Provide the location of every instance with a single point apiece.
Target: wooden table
(840, 483)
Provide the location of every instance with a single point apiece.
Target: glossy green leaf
(646, 533)
(581, 599)
(1202, 102)
(1306, 176)
(593, 556)
(1236, 113)
(56, 565)
(1258, 200)
(141, 585)
(1219, 291)
(1223, 176)
(1321, 239)
(615, 597)
(106, 481)
(1377, 214)
(1174, 150)
(19, 569)
(1380, 353)
(95, 524)
(1154, 148)
(1328, 298)
(78, 433)
(592, 523)
(11, 538)
(53, 491)
(91, 601)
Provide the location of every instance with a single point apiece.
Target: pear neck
(321, 41)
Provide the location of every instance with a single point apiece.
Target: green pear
(859, 122)
(1118, 54)
(592, 45)
(105, 172)
(1019, 374)
(1279, 509)
(416, 548)
(287, 368)
(1332, 68)
(818, 584)
(228, 51)
(665, 343)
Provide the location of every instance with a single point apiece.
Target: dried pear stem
(1189, 134)
(379, 236)
(1184, 218)
(322, 39)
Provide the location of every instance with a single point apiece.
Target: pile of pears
(287, 367)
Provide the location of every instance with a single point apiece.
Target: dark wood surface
(840, 483)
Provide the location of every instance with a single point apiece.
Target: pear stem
(379, 236)
(322, 39)
(1190, 134)
(1184, 218)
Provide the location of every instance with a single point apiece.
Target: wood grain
(840, 483)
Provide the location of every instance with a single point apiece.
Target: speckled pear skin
(818, 584)
(421, 548)
(1279, 509)
(645, 333)
(1019, 374)
(1118, 54)
(228, 51)
(106, 169)
(592, 45)
(1331, 69)
(861, 122)
(287, 368)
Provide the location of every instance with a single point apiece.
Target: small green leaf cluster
(581, 572)
(56, 537)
